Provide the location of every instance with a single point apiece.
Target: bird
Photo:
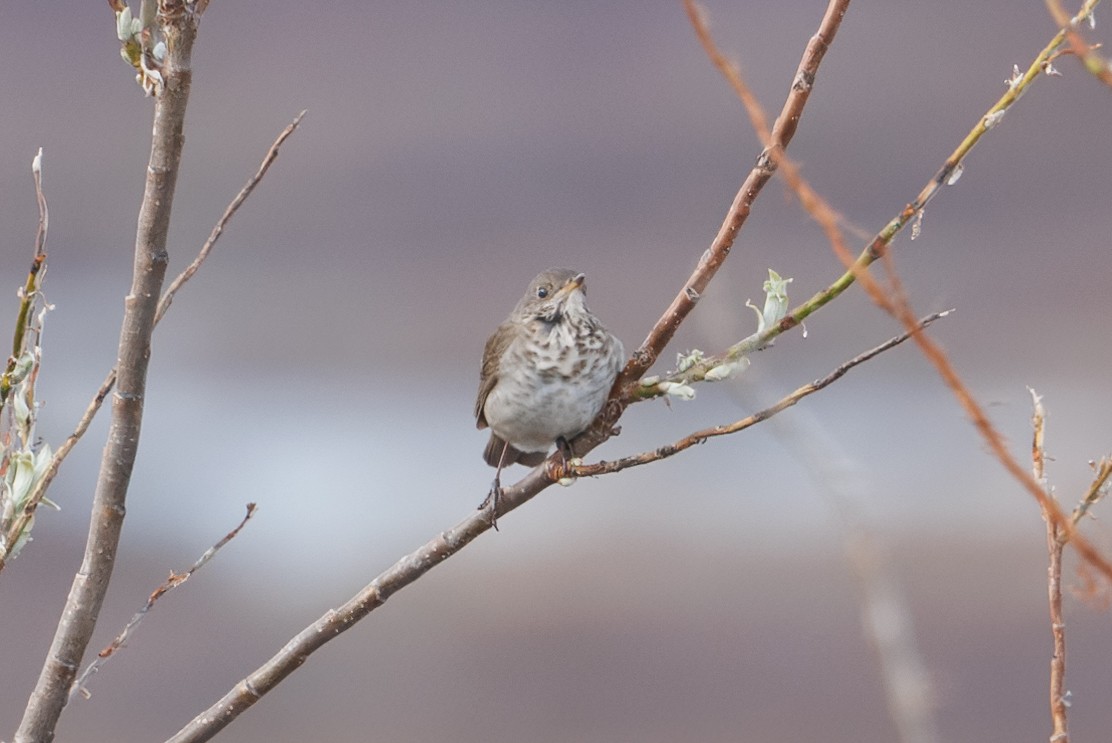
(546, 373)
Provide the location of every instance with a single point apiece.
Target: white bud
(776, 302)
(686, 361)
(677, 390)
(993, 118)
(727, 370)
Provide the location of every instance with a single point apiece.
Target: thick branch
(91, 583)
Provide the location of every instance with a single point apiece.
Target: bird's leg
(495, 493)
(566, 454)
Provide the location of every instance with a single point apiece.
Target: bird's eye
(542, 292)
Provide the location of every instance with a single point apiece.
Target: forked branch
(411, 567)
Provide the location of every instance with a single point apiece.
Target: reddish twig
(1097, 65)
(782, 132)
(1055, 544)
(892, 300)
(175, 580)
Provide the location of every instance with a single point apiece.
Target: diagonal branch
(1097, 65)
(175, 580)
(163, 306)
(893, 301)
(179, 24)
(782, 132)
(411, 567)
(699, 437)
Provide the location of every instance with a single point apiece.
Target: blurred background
(324, 364)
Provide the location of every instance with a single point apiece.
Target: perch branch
(411, 567)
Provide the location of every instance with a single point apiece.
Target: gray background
(325, 360)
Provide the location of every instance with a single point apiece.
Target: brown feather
(488, 376)
(493, 453)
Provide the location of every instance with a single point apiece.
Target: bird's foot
(493, 501)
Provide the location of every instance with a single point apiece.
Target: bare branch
(1054, 544)
(699, 437)
(782, 132)
(336, 621)
(179, 25)
(163, 305)
(175, 580)
(892, 300)
(229, 212)
(413, 566)
(1097, 490)
(1097, 65)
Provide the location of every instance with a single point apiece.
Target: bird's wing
(492, 359)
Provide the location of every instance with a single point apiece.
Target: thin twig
(29, 294)
(1097, 489)
(1058, 703)
(699, 437)
(1097, 65)
(892, 300)
(175, 580)
(625, 388)
(163, 305)
(229, 212)
(20, 455)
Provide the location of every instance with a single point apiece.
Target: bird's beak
(573, 283)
